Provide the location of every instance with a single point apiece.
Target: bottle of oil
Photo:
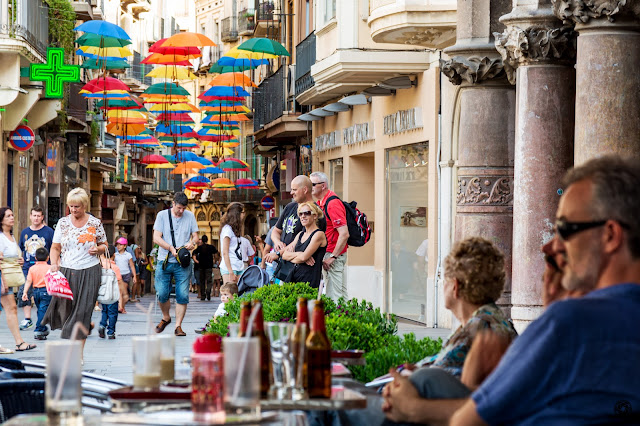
(245, 313)
(265, 352)
(318, 356)
(298, 348)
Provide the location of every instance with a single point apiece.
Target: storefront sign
(22, 138)
(328, 141)
(357, 133)
(55, 73)
(402, 121)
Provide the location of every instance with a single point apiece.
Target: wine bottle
(245, 313)
(265, 352)
(298, 346)
(318, 356)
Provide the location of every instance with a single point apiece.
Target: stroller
(251, 279)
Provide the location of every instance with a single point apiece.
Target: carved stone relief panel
(485, 191)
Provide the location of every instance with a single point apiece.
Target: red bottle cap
(207, 343)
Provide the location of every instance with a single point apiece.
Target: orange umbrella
(158, 58)
(125, 129)
(232, 79)
(187, 39)
(187, 167)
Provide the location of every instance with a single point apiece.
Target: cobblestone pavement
(113, 358)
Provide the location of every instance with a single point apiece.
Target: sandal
(162, 325)
(5, 351)
(28, 348)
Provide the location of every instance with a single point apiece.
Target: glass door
(407, 185)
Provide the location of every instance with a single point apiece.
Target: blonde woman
(77, 241)
(232, 264)
(310, 247)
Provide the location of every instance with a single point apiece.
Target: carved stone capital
(581, 11)
(473, 69)
(485, 191)
(535, 44)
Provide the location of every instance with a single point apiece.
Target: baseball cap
(121, 240)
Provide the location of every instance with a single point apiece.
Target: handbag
(184, 255)
(109, 292)
(12, 274)
(284, 270)
(57, 285)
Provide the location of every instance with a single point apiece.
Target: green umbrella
(166, 89)
(219, 69)
(121, 104)
(106, 64)
(264, 45)
(96, 40)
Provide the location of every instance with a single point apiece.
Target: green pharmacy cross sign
(54, 72)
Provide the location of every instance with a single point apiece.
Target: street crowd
(576, 363)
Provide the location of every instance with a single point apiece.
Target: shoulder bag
(184, 255)
(109, 292)
(12, 274)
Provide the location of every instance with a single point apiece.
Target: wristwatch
(333, 255)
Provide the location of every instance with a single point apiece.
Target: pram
(252, 279)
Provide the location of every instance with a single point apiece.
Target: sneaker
(101, 332)
(26, 323)
(40, 337)
(111, 336)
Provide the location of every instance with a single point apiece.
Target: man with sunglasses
(577, 363)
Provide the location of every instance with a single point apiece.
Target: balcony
(134, 76)
(427, 23)
(305, 58)
(141, 175)
(83, 9)
(103, 164)
(267, 15)
(26, 31)
(246, 22)
(77, 103)
(229, 29)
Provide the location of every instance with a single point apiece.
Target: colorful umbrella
(187, 39)
(232, 79)
(246, 183)
(185, 156)
(231, 91)
(116, 64)
(222, 182)
(157, 47)
(264, 45)
(112, 52)
(166, 165)
(244, 54)
(154, 159)
(219, 69)
(103, 28)
(165, 89)
(246, 63)
(89, 39)
(172, 72)
(124, 130)
(233, 164)
(198, 181)
(171, 117)
(104, 83)
(210, 170)
(160, 59)
(187, 167)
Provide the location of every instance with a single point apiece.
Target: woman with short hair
(78, 240)
(232, 264)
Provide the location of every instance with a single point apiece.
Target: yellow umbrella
(161, 166)
(213, 153)
(117, 52)
(125, 113)
(237, 108)
(174, 107)
(172, 72)
(245, 54)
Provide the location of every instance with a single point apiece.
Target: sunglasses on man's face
(566, 229)
(317, 183)
(305, 213)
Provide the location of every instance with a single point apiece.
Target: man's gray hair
(616, 193)
(180, 198)
(321, 177)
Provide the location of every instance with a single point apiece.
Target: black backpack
(357, 223)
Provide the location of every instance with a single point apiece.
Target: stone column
(607, 77)
(538, 53)
(485, 129)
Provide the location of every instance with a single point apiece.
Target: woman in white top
(230, 230)
(77, 242)
(9, 250)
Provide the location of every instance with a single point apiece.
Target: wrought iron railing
(229, 29)
(246, 21)
(305, 58)
(268, 99)
(266, 9)
(28, 20)
(77, 103)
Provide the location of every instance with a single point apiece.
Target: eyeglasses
(566, 229)
(317, 183)
(305, 213)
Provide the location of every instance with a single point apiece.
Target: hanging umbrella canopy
(215, 104)
(165, 99)
(220, 69)
(244, 63)
(233, 164)
(198, 181)
(246, 183)
(231, 91)
(165, 89)
(173, 129)
(124, 130)
(170, 117)
(166, 165)
(228, 118)
(89, 39)
(154, 159)
(222, 182)
(111, 52)
(101, 84)
(172, 72)
(220, 98)
(187, 167)
(187, 39)
(240, 109)
(217, 153)
(181, 107)
(183, 156)
(157, 47)
(181, 145)
(130, 103)
(210, 171)
(204, 161)
(160, 59)
(128, 113)
(108, 64)
(103, 28)
(264, 45)
(92, 57)
(232, 79)
(107, 94)
(245, 54)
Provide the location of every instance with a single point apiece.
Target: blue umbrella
(225, 91)
(186, 156)
(197, 179)
(103, 28)
(203, 161)
(219, 104)
(210, 170)
(228, 61)
(175, 130)
(79, 52)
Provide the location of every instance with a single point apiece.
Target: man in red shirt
(337, 234)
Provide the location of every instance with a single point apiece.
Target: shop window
(336, 181)
(407, 243)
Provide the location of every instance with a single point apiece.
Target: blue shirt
(30, 241)
(578, 363)
(183, 227)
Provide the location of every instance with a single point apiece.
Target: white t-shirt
(236, 264)
(122, 260)
(76, 242)
(8, 248)
(220, 311)
(246, 249)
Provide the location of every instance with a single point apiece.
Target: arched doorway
(250, 226)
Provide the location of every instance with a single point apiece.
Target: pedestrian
(227, 293)
(125, 262)
(11, 261)
(311, 243)
(35, 278)
(204, 255)
(231, 265)
(110, 312)
(36, 236)
(144, 276)
(78, 240)
(217, 276)
(194, 281)
(248, 251)
(173, 229)
(337, 234)
(135, 251)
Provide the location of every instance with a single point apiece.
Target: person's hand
(271, 257)
(93, 250)
(326, 264)
(258, 239)
(483, 357)
(3, 288)
(25, 298)
(398, 396)
(310, 261)
(54, 268)
(280, 246)
(233, 278)
(174, 252)
(20, 261)
(190, 246)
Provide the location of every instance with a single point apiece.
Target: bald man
(288, 225)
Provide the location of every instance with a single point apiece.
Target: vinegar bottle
(245, 313)
(318, 356)
(265, 353)
(298, 347)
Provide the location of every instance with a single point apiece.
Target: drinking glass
(280, 342)
(146, 363)
(242, 374)
(234, 329)
(207, 387)
(167, 357)
(64, 362)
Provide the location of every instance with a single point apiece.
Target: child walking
(42, 299)
(110, 312)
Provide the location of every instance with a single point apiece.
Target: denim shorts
(163, 282)
(22, 303)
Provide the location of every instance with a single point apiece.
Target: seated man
(474, 279)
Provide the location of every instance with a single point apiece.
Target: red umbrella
(157, 47)
(154, 159)
(104, 83)
(175, 117)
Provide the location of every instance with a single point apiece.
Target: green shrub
(349, 333)
(363, 311)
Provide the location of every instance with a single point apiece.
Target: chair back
(21, 396)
